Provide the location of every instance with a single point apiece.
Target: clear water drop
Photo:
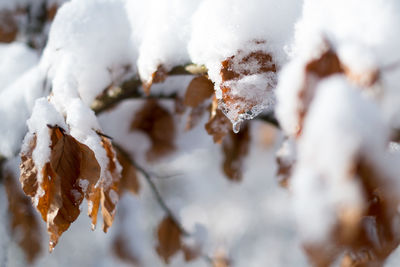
(236, 126)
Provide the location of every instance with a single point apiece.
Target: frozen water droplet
(236, 126)
(51, 246)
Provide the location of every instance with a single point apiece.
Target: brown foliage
(198, 92)
(218, 125)
(110, 186)
(28, 171)
(285, 161)
(58, 189)
(367, 236)
(327, 64)
(169, 239)
(235, 148)
(8, 26)
(24, 224)
(158, 124)
(121, 250)
(129, 181)
(240, 65)
(157, 77)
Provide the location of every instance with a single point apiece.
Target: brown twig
(158, 196)
(153, 187)
(131, 89)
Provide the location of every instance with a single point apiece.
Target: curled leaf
(110, 187)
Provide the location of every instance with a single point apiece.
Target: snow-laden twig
(131, 89)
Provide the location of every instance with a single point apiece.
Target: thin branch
(131, 89)
(153, 188)
(159, 198)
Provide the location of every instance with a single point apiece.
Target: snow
(43, 114)
(81, 26)
(360, 42)
(334, 136)
(95, 44)
(17, 58)
(161, 30)
(222, 28)
(16, 103)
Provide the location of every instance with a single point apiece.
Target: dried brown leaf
(59, 194)
(235, 148)
(64, 195)
(195, 116)
(28, 170)
(285, 159)
(109, 192)
(324, 66)
(327, 64)
(179, 106)
(121, 249)
(24, 224)
(158, 123)
(8, 27)
(240, 65)
(93, 196)
(199, 90)
(51, 11)
(169, 239)
(190, 253)
(366, 236)
(197, 93)
(157, 77)
(129, 180)
(218, 126)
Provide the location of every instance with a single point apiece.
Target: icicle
(236, 126)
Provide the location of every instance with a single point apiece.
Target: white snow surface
(334, 136)
(97, 43)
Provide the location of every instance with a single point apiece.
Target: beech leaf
(158, 123)
(169, 239)
(235, 148)
(24, 224)
(199, 90)
(60, 192)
